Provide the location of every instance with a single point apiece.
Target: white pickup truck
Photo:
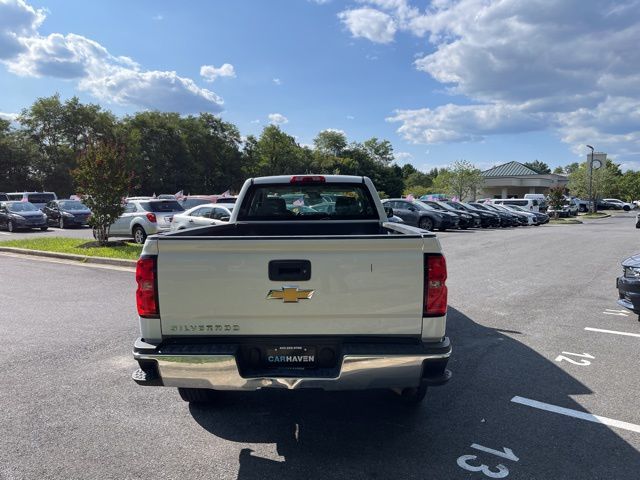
(308, 286)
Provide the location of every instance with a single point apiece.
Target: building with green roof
(514, 180)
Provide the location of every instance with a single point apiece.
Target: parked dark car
(487, 219)
(466, 219)
(541, 218)
(417, 214)
(629, 284)
(522, 219)
(21, 215)
(3, 197)
(66, 213)
(477, 218)
(506, 219)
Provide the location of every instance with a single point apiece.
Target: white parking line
(576, 414)
(615, 332)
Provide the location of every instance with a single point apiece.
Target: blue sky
(482, 80)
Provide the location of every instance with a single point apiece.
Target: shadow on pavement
(373, 435)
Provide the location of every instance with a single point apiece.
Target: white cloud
(277, 118)
(277, 81)
(350, 117)
(210, 73)
(255, 122)
(464, 123)
(369, 23)
(334, 130)
(159, 17)
(116, 79)
(11, 117)
(403, 156)
(17, 20)
(570, 67)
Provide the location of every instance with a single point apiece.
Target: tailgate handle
(289, 270)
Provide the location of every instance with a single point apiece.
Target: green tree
(278, 153)
(103, 180)
(572, 167)
(538, 167)
(556, 199)
(558, 170)
(605, 181)
(60, 131)
(462, 180)
(330, 142)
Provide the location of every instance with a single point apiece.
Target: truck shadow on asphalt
(374, 435)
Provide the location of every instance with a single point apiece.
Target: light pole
(593, 205)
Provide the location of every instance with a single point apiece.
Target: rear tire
(44, 229)
(197, 395)
(414, 395)
(426, 224)
(61, 224)
(139, 235)
(10, 226)
(626, 208)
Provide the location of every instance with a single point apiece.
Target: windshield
(21, 207)
(468, 206)
(162, 206)
(41, 197)
(71, 205)
(422, 206)
(331, 201)
(455, 205)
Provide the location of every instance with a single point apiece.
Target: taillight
(147, 291)
(151, 217)
(307, 179)
(435, 288)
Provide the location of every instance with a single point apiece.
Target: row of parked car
(446, 214)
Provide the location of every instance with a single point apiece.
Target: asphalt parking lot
(541, 388)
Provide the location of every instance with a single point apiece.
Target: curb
(606, 215)
(120, 262)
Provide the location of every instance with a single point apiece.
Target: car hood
(633, 261)
(28, 214)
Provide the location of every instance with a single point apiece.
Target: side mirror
(388, 211)
(225, 218)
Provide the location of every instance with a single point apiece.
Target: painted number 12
(582, 363)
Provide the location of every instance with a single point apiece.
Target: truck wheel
(426, 224)
(139, 235)
(414, 395)
(197, 395)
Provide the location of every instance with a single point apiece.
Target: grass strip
(78, 246)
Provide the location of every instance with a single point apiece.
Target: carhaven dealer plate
(291, 355)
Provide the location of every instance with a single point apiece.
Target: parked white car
(530, 204)
(620, 204)
(202, 215)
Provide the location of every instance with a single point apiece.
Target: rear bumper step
(360, 367)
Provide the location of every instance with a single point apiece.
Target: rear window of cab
(308, 201)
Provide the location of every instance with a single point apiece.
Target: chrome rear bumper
(357, 371)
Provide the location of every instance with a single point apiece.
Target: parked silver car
(145, 217)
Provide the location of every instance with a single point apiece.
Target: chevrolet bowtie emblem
(290, 294)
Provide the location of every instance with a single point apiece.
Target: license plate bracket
(290, 355)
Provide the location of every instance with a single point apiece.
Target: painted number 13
(499, 471)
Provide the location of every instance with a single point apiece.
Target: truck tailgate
(360, 285)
